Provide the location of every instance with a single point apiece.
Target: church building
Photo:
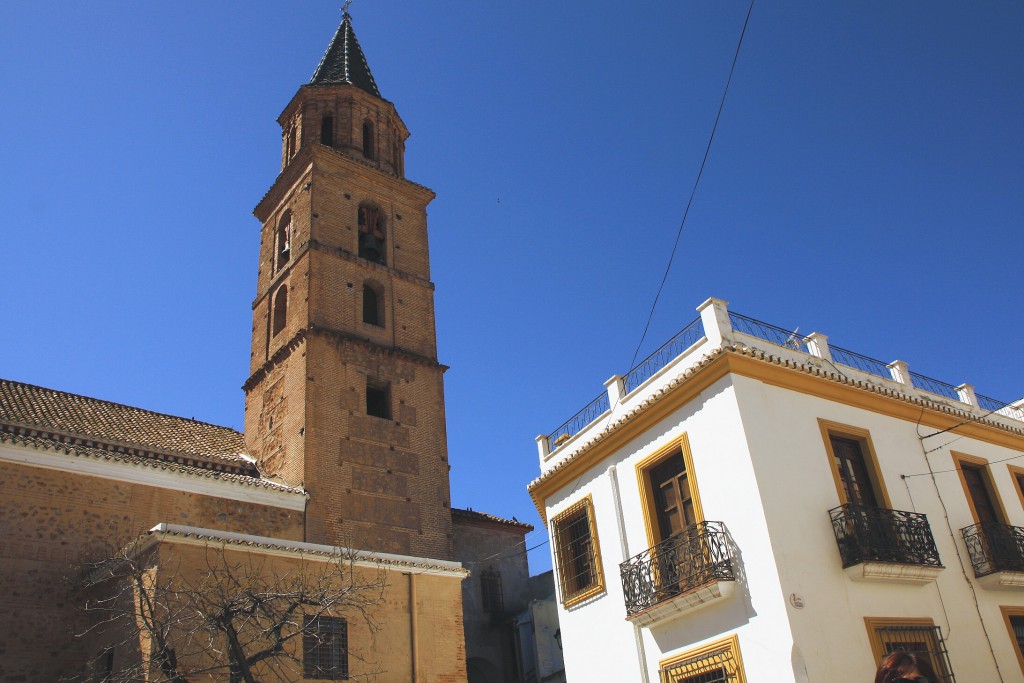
(344, 444)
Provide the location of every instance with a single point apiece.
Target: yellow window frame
(643, 475)
(862, 436)
(722, 653)
(574, 597)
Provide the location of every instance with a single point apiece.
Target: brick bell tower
(345, 395)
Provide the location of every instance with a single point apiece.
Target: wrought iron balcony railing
(694, 557)
(995, 548)
(870, 534)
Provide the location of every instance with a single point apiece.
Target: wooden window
(1014, 619)
(669, 491)
(378, 399)
(853, 471)
(368, 141)
(371, 234)
(918, 635)
(325, 649)
(577, 553)
(373, 304)
(982, 497)
(672, 498)
(977, 491)
(717, 662)
(280, 309)
(490, 590)
(854, 465)
(284, 240)
(327, 131)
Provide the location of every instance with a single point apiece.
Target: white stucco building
(752, 505)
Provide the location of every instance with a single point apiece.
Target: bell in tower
(371, 234)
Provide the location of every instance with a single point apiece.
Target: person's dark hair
(902, 663)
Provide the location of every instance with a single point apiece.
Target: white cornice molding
(189, 535)
(156, 474)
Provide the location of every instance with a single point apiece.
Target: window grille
(490, 588)
(922, 639)
(717, 666)
(579, 563)
(325, 649)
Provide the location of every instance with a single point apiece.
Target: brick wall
(380, 648)
(50, 520)
(375, 483)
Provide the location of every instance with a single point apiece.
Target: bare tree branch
(171, 612)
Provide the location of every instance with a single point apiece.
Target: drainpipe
(414, 649)
(620, 520)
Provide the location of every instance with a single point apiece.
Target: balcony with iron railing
(997, 554)
(694, 568)
(716, 327)
(877, 544)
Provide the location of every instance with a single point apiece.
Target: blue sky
(865, 182)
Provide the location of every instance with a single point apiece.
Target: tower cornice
(305, 333)
(305, 161)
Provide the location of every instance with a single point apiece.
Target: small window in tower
(371, 234)
(368, 142)
(378, 399)
(373, 304)
(280, 309)
(284, 239)
(291, 142)
(327, 131)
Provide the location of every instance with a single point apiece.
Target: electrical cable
(696, 182)
(686, 212)
(959, 557)
(675, 246)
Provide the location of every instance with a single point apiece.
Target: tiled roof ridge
(486, 517)
(765, 357)
(65, 417)
(115, 404)
(213, 462)
(41, 442)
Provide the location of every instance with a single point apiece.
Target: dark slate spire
(344, 62)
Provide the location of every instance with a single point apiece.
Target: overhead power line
(696, 182)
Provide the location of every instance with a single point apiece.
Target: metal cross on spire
(344, 6)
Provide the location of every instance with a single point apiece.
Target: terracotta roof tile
(484, 517)
(112, 424)
(101, 453)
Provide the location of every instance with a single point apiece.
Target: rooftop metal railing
(934, 386)
(577, 422)
(668, 351)
(779, 336)
(773, 334)
(858, 361)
